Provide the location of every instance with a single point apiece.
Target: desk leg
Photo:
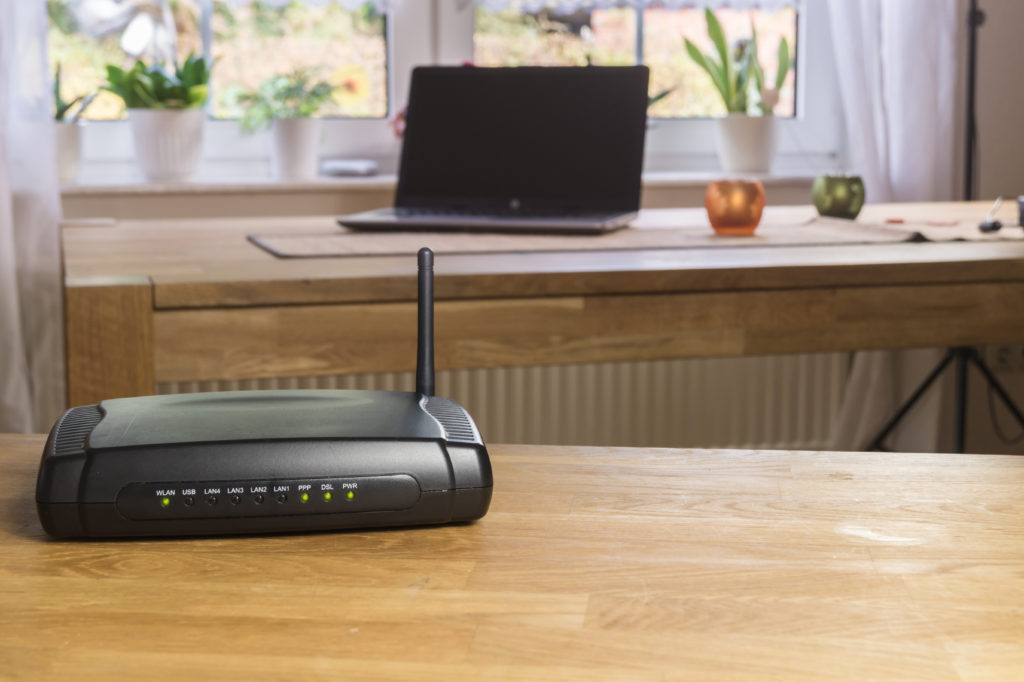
(109, 341)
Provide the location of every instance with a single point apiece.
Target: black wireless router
(267, 461)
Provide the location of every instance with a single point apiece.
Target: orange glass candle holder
(734, 206)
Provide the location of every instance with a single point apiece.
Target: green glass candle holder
(838, 196)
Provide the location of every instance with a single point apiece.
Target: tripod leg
(876, 442)
(1000, 391)
(960, 398)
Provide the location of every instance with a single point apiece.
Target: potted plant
(287, 104)
(745, 141)
(165, 110)
(68, 130)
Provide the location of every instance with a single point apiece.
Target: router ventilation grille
(453, 418)
(75, 428)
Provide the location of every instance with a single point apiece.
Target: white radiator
(776, 402)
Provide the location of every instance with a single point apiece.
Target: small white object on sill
(348, 167)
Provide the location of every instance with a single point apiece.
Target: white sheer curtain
(897, 66)
(31, 328)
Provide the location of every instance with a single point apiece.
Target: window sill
(223, 197)
(229, 186)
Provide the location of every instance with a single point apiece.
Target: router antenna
(425, 323)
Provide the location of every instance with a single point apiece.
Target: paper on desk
(644, 235)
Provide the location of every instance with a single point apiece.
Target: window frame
(441, 32)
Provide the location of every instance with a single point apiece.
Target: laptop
(519, 149)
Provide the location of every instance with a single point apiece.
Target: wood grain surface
(593, 564)
(288, 341)
(109, 340)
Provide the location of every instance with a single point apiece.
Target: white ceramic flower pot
(69, 151)
(168, 142)
(293, 148)
(745, 144)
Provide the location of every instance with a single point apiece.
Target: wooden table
(593, 564)
(154, 300)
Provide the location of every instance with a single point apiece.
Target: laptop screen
(535, 138)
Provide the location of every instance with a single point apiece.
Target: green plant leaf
(654, 99)
(717, 78)
(745, 73)
(155, 87)
(60, 106)
(85, 105)
(755, 65)
(193, 72)
(784, 62)
(115, 75)
(63, 108)
(717, 36)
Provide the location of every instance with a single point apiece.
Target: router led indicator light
(350, 495)
(165, 502)
(304, 497)
(328, 496)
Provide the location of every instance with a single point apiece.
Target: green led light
(350, 495)
(327, 497)
(165, 502)
(304, 497)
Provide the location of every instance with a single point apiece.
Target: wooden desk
(152, 301)
(592, 564)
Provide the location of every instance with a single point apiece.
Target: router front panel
(283, 497)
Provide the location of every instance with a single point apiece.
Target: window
(250, 41)
(354, 44)
(347, 48)
(628, 35)
(85, 37)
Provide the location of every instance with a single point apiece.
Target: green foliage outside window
(294, 95)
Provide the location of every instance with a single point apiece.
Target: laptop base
(389, 219)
